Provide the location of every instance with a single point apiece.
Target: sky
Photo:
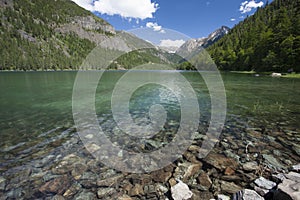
(193, 18)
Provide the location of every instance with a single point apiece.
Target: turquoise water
(37, 103)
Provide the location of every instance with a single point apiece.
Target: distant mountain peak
(194, 44)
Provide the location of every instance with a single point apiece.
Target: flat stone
(290, 187)
(104, 192)
(264, 183)
(201, 195)
(204, 181)
(247, 194)
(273, 162)
(250, 166)
(57, 186)
(293, 176)
(137, 190)
(220, 162)
(223, 197)
(181, 191)
(229, 187)
(109, 182)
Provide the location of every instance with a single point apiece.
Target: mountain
(194, 44)
(42, 35)
(269, 40)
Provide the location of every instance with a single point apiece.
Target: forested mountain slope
(42, 34)
(269, 40)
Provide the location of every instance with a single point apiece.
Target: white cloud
(155, 27)
(232, 19)
(171, 43)
(139, 9)
(86, 4)
(247, 6)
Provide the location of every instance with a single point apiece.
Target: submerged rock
(104, 192)
(57, 186)
(181, 191)
(273, 162)
(220, 162)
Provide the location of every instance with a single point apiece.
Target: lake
(36, 117)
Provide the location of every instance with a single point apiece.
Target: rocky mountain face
(194, 44)
(42, 35)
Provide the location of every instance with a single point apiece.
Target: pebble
(250, 166)
(104, 192)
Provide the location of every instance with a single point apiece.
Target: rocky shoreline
(248, 164)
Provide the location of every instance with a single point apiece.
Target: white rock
(276, 74)
(264, 183)
(293, 176)
(290, 187)
(223, 197)
(296, 167)
(247, 194)
(181, 191)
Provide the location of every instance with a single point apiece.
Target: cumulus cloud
(155, 27)
(232, 19)
(247, 6)
(140, 9)
(171, 43)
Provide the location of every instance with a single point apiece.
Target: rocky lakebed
(246, 163)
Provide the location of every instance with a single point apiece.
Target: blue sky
(194, 18)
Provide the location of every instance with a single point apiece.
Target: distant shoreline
(284, 75)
